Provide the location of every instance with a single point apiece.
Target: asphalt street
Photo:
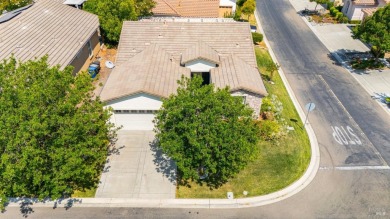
(352, 130)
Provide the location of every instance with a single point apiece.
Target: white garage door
(134, 121)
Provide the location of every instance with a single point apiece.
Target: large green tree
(248, 8)
(112, 13)
(207, 132)
(9, 5)
(54, 136)
(375, 30)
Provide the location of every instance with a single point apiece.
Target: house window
(126, 111)
(90, 48)
(149, 111)
(141, 111)
(118, 111)
(134, 111)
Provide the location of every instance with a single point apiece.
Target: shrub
(355, 21)
(333, 11)
(257, 37)
(329, 5)
(272, 125)
(339, 15)
(344, 19)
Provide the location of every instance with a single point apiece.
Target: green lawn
(88, 193)
(278, 164)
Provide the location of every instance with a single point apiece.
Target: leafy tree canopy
(54, 137)
(248, 8)
(206, 131)
(375, 30)
(112, 13)
(9, 5)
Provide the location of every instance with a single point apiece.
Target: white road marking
(364, 168)
(345, 136)
(356, 168)
(355, 123)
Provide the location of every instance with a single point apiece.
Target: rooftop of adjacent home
(46, 27)
(187, 8)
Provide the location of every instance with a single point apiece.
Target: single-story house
(357, 9)
(186, 8)
(153, 55)
(69, 36)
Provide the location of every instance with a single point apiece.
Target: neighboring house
(67, 35)
(153, 55)
(186, 8)
(227, 7)
(357, 9)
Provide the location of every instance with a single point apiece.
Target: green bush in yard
(257, 37)
(339, 15)
(329, 5)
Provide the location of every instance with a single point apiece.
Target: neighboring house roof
(149, 55)
(152, 71)
(200, 50)
(187, 8)
(369, 11)
(364, 2)
(47, 27)
(238, 75)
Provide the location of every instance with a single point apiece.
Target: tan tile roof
(152, 71)
(238, 75)
(364, 2)
(149, 54)
(48, 27)
(369, 11)
(200, 50)
(176, 37)
(187, 8)
(164, 8)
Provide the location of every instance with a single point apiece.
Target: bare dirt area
(104, 55)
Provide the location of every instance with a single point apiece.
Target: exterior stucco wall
(225, 10)
(253, 100)
(200, 65)
(82, 59)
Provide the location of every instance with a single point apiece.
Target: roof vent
(133, 50)
(160, 35)
(237, 45)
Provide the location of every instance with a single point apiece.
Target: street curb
(285, 193)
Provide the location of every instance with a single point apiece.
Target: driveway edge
(285, 193)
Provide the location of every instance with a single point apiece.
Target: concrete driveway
(137, 169)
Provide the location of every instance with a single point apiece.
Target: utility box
(230, 195)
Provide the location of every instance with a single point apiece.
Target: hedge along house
(153, 55)
(69, 36)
